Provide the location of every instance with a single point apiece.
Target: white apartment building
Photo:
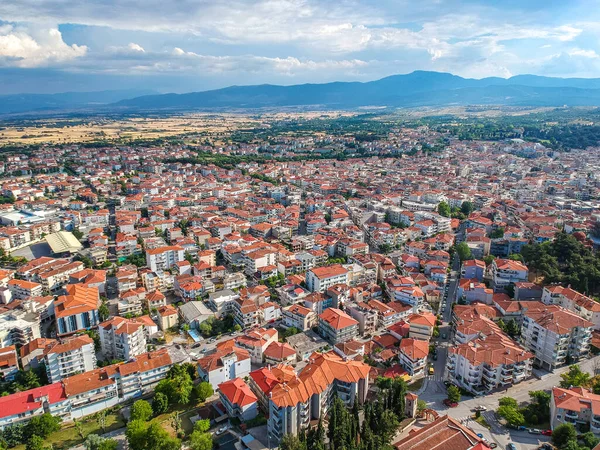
(122, 338)
(582, 305)
(70, 357)
(553, 334)
(413, 356)
(487, 363)
(18, 327)
(319, 279)
(336, 326)
(576, 406)
(163, 258)
(506, 271)
(299, 317)
(226, 363)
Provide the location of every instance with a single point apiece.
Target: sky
(49, 46)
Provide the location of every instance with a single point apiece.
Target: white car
(221, 430)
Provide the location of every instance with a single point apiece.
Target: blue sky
(187, 45)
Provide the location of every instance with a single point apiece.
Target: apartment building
(319, 279)
(238, 399)
(577, 406)
(488, 362)
(52, 273)
(18, 327)
(226, 363)
(555, 335)
(294, 400)
(122, 338)
(413, 356)
(67, 358)
(78, 310)
(21, 407)
(90, 392)
(366, 317)
(503, 272)
(163, 258)
(473, 269)
(9, 364)
(168, 317)
(421, 325)
(336, 326)
(23, 289)
(299, 317)
(256, 342)
(141, 375)
(582, 305)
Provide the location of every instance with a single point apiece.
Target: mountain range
(415, 89)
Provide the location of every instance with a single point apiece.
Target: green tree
(158, 438)
(35, 443)
(511, 415)
(43, 425)
(421, 406)
(466, 208)
(101, 419)
(141, 410)
(291, 442)
(444, 209)
(160, 403)
(202, 425)
(589, 440)
(96, 442)
(201, 441)
(103, 311)
(463, 251)
(508, 401)
(574, 377)
(563, 434)
(453, 394)
(204, 390)
(136, 434)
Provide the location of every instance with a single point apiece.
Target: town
(403, 289)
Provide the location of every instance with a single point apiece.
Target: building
(336, 326)
(163, 258)
(9, 364)
(168, 317)
(299, 317)
(225, 363)
(194, 313)
(473, 269)
(443, 433)
(238, 399)
(421, 326)
(22, 406)
(295, 399)
(504, 272)
(555, 336)
(18, 327)
(413, 356)
(122, 338)
(576, 406)
(78, 310)
(23, 289)
(319, 279)
(582, 305)
(67, 358)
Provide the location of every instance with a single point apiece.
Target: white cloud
(24, 47)
(585, 53)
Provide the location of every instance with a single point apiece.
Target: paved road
(435, 393)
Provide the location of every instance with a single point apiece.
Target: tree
(43, 425)
(101, 419)
(589, 439)
(160, 403)
(574, 377)
(201, 441)
(35, 443)
(511, 415)
(14, 435)
(158, 438)
(563, 434)
(488, 259)
(204, 390)
(96, 442)
(141, 410)
(508, 401)
(202, 425)
(136, 434)
(291, 442)
(103, 311)
(453, 394)
(466, 208)
(444, 209)
(463, 251)
(79, 428)
(421, 406)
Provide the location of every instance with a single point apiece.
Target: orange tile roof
(237, 392)
(337, 318)
(79, 299)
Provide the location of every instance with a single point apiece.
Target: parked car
(534, 431)
(493, 445)
(221, 430)
(479, 408)
(547, 432)
(480, 435)
(450, 404)
(511, 446)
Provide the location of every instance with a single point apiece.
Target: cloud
(24, 47)
(585, 53)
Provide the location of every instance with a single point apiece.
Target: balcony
(572, 415)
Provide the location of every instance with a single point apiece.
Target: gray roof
(192, 311)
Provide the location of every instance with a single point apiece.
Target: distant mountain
(415, 89)
(18, 103)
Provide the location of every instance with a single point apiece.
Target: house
(506, 271)
(473, 269)
(279, 353)
(413, 356)
(256, 342)
(336, 326)
(32, 352)
(421, 325)
(9, 364)
(577, 406)
(78, 310)
(238, 399)
(225, 363)
(299, 317)
(168, 317)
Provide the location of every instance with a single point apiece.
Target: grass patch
(68, 437)
(415, 386)
(481, 421)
